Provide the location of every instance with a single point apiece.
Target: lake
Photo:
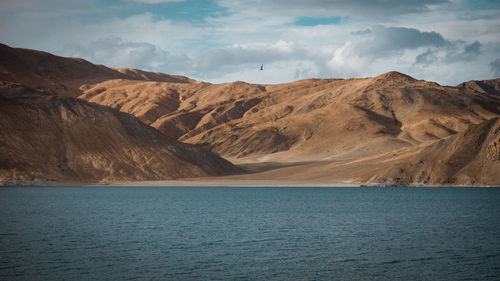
(231, 233)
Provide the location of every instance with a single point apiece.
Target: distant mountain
(491, 87)
(64, 76)
(66, 139)
(314, 119)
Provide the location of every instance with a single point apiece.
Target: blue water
(211, 233)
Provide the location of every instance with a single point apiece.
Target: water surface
(207, 233)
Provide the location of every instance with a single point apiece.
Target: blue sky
(447, 41)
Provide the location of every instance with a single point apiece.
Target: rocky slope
(66, 139)
(315, 119)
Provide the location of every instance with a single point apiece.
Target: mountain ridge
(240, 119)
(327, 124)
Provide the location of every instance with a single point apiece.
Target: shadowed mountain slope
(67, 139)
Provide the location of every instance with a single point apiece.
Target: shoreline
(230, 183)
(225, 182)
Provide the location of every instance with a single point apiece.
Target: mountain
(388, 129)
(64, 76)
(467, 158)
(307, 120)
(491, 87)
(60, 138)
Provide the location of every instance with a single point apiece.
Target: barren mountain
(65, 76)
(467, 158)
(491, 87)
(66, 139)
(390, 128)
(471, 157)
(315, 119)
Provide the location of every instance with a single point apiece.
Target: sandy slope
(471, 157)
(344, 129)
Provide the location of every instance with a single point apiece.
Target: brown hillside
(67, 139)
(65, 76)
(364, 130)
(467, 158)
(470, 158)
(314, 119)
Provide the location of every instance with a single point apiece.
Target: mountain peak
(395, 76)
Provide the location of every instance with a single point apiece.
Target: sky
(446, 41)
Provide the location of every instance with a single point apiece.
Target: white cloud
(249, 54)
(376, 50)
(115, 52)
(421, 38)
(351, 8)
(144, 28)
(346, 61)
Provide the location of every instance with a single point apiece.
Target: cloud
(283, 61)
(375, 50)
(116, 52)
(426, 58)
(495, 67)
(387, 40)
(156, 1)
(361, 32)
(431, 39)
(463, 52)
(249, 54)
(456, 51)
(145, 28)
(328, 8)
(351, 8)
(379, 43)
